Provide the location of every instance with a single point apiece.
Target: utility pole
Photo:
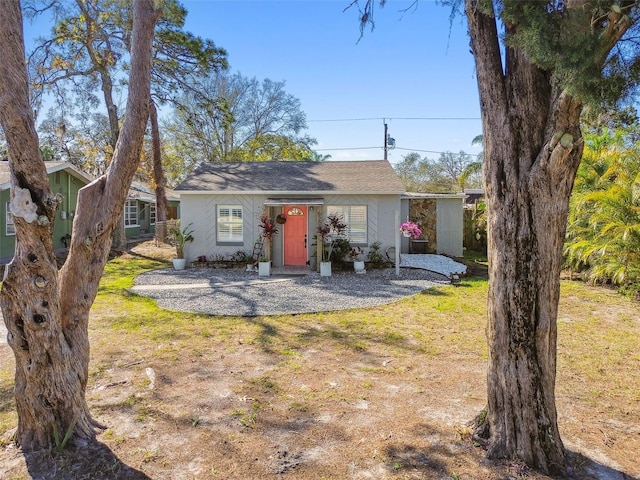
(385, 139)
(389, 142)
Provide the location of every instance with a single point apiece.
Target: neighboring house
(140, 210)
(475, 221)
(472, 196)
(66, 179)
(223, 203)
(439, 215)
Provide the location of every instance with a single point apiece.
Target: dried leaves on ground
(383, 393)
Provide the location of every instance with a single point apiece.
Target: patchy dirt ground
(316, 398)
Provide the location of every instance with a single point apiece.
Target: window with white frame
(131, 213)
(152, 213)
(10, 227)
(355, 216)
(229, 220)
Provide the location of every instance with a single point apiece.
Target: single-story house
(475, 226)
(472, 196)
(140, 210)
(223, 202)
(66, 179)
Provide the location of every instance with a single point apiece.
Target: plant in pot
(250, 263)
(331, 231)
(410, 229)
(355, 255)
(264, 267)
(180, 237)
(269, 230)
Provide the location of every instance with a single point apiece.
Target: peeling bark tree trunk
(47, 312)
(158, 176)
(532, 149)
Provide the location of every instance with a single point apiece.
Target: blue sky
(413, 65)
(415, 70)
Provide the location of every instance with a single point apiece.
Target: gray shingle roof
(374, 176)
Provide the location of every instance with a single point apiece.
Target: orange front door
(295, 235)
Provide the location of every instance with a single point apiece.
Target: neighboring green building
(66, 179)
(140, 210)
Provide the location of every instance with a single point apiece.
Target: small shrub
(375, 257)
(341, 248)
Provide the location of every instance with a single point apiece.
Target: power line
(366, 119)
(432, 151)
(346, 119)
(347, 148)
(396, 148)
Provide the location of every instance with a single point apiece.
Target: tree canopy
(449, 173)
(83, 65)
(237, 119)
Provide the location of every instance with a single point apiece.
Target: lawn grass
(443, 321)
(598, 355)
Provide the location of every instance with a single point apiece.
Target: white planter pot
(358, 266)
(179, 263)
(325, 269)
(250, 267)
(264, 269)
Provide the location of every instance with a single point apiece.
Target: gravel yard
(240, 293)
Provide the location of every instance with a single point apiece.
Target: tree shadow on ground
(582, 467)
(95, 462)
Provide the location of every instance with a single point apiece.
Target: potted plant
(269, 230)
(332, 230)
(410, 229)
(356, 256)
(264, 267)
(250, 263)
(281, 218)
(180, 236)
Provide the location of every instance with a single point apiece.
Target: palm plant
(603, 233)
(180, 236)
(474, 168)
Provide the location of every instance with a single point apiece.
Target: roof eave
(287, 192)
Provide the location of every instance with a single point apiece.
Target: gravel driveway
(240, 293)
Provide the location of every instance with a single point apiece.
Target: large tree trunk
(119, 235)
(46, 311)
(532, 149)
(158, 176)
